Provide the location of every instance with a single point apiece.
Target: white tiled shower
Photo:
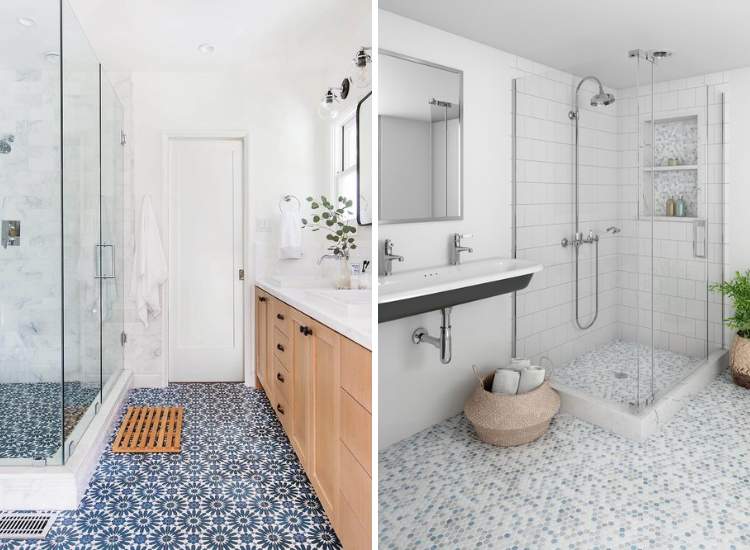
(612, 195)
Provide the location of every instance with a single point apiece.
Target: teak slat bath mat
(149, 430)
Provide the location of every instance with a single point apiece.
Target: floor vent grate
(26, 525)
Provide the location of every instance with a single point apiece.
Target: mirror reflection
(419, 140)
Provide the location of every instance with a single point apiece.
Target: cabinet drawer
(281, 380)
(280, 316)
(356, 372)
(355, 503)
(280, 345)
(356, 430)
(282, 409)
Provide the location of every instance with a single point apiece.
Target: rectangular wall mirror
(420, 149)
(364, 160)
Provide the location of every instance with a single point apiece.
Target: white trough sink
(418, 291)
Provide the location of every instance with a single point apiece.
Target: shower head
(602, 98)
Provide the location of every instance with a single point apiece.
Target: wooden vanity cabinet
(322, 381)
(262, 303)
(302, 371)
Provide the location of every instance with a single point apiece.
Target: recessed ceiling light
(52, 57)
(26, 21)
(206, 49)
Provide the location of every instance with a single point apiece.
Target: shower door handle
(99, 249)
(699, 243)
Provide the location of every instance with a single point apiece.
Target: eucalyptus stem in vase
(333, 219)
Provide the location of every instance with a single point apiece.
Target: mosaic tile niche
(675, 173)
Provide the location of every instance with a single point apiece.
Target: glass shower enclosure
(619, 192)
(61, 260)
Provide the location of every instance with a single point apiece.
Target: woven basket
(739, 361)
(509, 420)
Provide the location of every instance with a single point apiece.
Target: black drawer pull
(279, 347)
(280, 377)
(280, 408)
(261, 299)
(307, 331)
(279, 316)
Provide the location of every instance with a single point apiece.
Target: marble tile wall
(30, 292)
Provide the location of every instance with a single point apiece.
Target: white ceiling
(164, 35)
(594, 36)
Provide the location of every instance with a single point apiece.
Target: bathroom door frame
(248, 253)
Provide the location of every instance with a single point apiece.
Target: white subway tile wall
(631, 263)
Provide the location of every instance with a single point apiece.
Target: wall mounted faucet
(457, 247)
(389, 257)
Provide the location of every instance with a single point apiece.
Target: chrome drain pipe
(444, 342)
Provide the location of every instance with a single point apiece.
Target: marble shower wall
(30, 292)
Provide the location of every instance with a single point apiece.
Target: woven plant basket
(739, 361)
(509, 420)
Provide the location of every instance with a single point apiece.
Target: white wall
(415, 389)
(738, 192)
(289, 152)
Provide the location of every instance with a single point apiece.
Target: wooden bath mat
(149, 430)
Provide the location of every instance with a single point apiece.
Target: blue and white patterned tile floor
(31, 424)
(236, 484)
(687, 487)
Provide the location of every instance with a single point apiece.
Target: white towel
(149, 267)
(505, 381)
(291, 235)
(531, 378)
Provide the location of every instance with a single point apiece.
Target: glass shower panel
(715, 196)
(112, 231)
(81, 230)
(30, 265)
(642, 264)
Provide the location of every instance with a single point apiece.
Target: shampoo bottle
(670, 208)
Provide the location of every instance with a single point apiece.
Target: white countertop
(355, 324)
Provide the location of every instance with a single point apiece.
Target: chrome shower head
(602, 98)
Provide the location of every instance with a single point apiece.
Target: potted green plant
(738, 290)
(333, 218)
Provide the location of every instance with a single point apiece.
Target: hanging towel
(149, 267)
(291, 235)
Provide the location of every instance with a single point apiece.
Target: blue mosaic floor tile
(30, 416)
(237, 484)
(579, 486)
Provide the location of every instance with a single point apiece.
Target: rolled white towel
(506, 381)
(519, 363)
(530, 378)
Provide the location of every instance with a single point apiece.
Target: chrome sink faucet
(389, 257)
(458, 247)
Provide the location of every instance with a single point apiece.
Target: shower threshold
(611, 412)
(40, 487)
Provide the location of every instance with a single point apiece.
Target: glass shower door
(111, 246)
(81, 231)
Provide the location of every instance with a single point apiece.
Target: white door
(205, 256)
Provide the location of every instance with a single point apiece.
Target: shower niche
(672, 172)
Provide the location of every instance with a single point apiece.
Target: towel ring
(288, 198)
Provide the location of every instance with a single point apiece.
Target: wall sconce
(328, 109)
(362, 61)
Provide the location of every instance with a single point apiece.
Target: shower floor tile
(236, 483)
(30, 416)
(578, 486)
(611, 371)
